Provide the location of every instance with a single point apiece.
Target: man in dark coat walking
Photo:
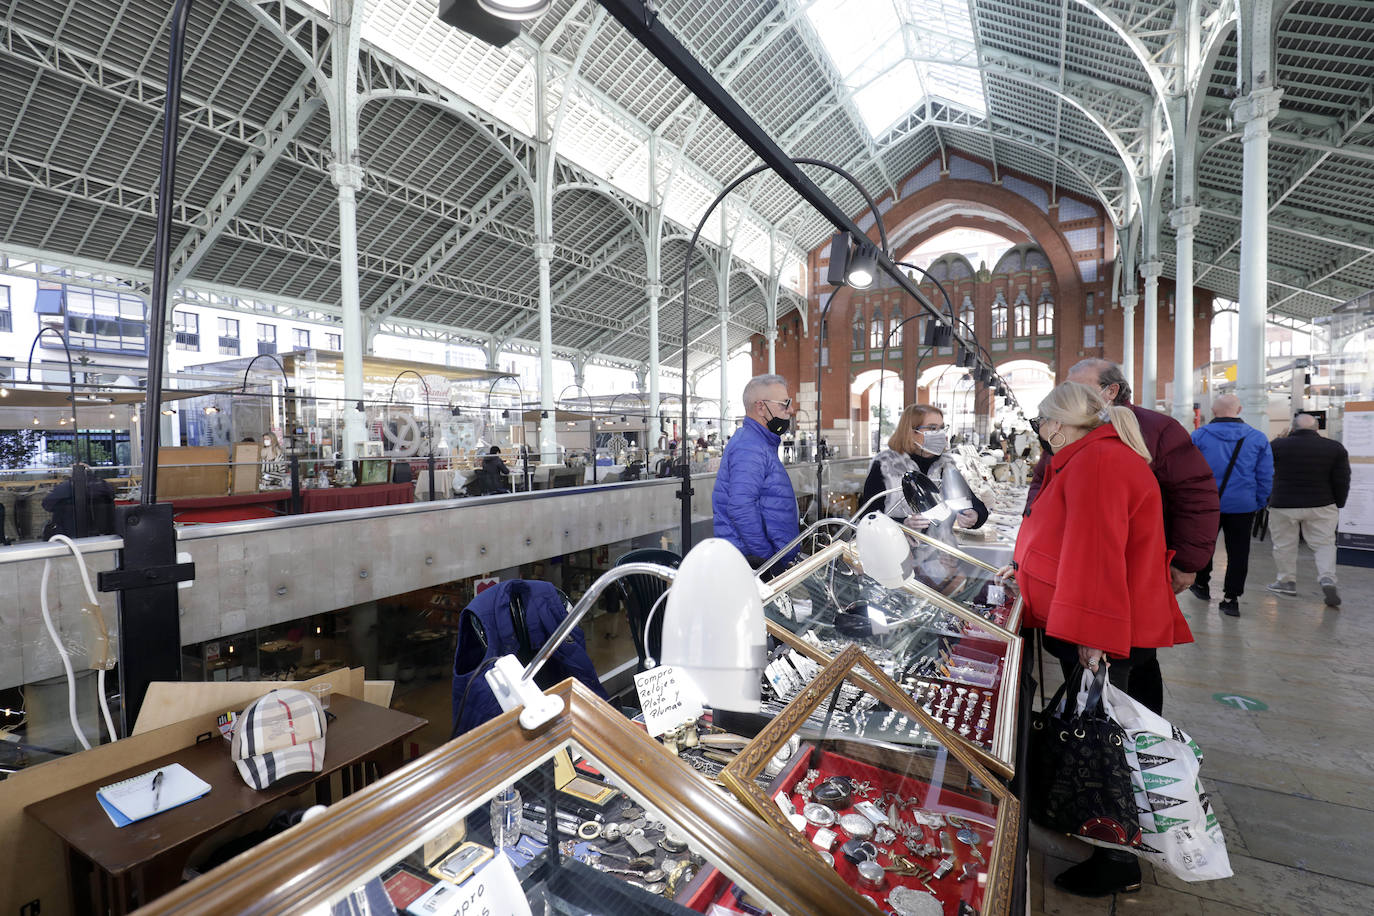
(1311, 483)
(1244, 468)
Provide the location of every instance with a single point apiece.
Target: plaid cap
(277, 735)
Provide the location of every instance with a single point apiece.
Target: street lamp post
(429, 422)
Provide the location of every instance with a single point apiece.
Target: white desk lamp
(713, 630)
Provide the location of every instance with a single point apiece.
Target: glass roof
(893, 55)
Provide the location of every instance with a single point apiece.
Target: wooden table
(117, 869)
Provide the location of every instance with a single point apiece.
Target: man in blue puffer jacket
(754, 505)
(1242, 494)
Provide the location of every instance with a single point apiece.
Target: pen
(157, 789)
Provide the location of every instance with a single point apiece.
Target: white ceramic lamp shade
(883, 549)
(713, 626)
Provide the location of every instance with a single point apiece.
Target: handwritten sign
(667, 699)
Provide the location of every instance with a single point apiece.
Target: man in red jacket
(1192, 512)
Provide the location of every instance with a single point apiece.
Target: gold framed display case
(696, 846)
(914, 829)
(958, 666)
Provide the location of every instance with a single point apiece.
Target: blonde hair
(1084, 407)
(913, 416)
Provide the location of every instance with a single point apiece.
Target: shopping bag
(1179, 828)
(1080, 780)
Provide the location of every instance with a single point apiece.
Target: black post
(430, 462)
(149, 616)
(295, 481)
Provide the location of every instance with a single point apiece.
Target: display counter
(911, 826)
(952, 659)
(633, 831)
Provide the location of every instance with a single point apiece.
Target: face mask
(1045, 445)
(935, 443)
(777, 425)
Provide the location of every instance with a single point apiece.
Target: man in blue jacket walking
(1244, 468)
(753, 502)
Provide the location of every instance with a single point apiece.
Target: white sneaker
(1283, 588)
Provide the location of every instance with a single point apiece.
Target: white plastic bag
(1179, 829)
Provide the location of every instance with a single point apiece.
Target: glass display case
(965, 579)
(586, 815)
(957, 664)
(914, 830)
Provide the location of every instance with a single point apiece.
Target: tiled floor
(1293, 784)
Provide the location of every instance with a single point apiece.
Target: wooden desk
(117, 869)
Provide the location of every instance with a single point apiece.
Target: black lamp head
(505, 414)
(919, 491)
(455, 410)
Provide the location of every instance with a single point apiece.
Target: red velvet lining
(981, 816)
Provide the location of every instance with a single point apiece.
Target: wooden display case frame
(1001, 759)
(740, 776)
(316, 863)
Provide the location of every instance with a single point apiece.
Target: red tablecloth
(375, 494)
(201, 510)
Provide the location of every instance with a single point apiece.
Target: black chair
(640, 593)
(401, 472)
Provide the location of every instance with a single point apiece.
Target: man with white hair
(1311, 483)
(1244, 469)
(753, 503)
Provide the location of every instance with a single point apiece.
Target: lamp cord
(61, 649)
(649, 661)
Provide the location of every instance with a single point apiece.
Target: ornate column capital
(1151, 269)
(1185, 217)
(654, 289)
(1129, 301)
(1254, 111)
(346, 175)
(543, 250)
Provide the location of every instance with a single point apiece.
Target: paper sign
(667, 699)
(938, 512)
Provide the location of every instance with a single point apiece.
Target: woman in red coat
(1093, 569)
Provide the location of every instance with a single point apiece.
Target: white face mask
(935, 443)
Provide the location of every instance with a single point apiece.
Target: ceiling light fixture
(863, 267)
(515, 9)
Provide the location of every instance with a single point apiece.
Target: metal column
(1149, 357)
(1184, 220)
(1128, 303)
(1254, 112)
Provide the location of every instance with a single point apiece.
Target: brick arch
(1043, 232)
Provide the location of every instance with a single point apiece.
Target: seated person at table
(98, 511)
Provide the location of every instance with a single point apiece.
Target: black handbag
(1080, 782)
(1260, 528)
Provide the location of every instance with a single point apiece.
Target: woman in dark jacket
(917, 444)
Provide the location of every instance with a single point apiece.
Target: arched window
(966, 317)
(1021, 316)
(858, 330)
(897, 329)
(999, 318)
(877, 330)
(1044, 314)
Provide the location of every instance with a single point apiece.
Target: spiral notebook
(134, 799)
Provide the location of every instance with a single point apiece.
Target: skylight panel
(888, 55)
(886, 99)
